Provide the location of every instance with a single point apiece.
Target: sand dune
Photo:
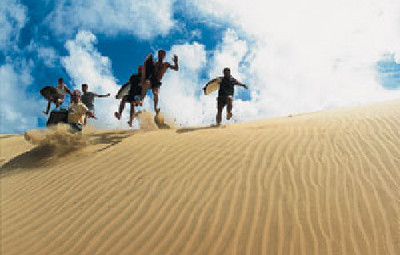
(318, 183)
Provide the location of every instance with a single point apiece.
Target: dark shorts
(133, 98)
(55, 99)
(75, 127)
(90, 108)
(223, 100)
(155, 84)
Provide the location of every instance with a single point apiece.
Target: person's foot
(157, 110)
(117, 115)
(46, 112)
(130, 123)
(229, 115)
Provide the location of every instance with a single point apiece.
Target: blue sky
(308, 57)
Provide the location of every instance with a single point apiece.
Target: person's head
(84, 87)
(227, 72)
(161, 55)
(60, 80)
(139, 69)
(76, 96)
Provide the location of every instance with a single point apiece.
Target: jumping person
(225, 94)
(133, 97)
(159, 68)
(147, 73)
(88, 97)
(78, 112)
(58, 99)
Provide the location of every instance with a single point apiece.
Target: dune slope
(318, 183)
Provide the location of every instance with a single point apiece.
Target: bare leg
(121, 108)
(132, 114)
(59, 102)
(145, 86)
(156, 92)
(48, 108)
(229, 105)
(220, 107)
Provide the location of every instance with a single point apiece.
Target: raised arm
(68, 90)
(175, 66)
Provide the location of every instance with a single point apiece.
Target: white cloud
(86, 65)
(12, 19)
(18, 112)
(304, 56)
(181, 94)
(46, 54)
(143, 18)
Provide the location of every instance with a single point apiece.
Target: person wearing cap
(225, 94)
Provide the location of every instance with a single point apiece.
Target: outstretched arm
(106, 95)
(241, 84)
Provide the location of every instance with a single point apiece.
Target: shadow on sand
(187, 130)
(109, 139)
(46, 155)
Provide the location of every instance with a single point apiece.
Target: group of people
(148, 76)
(81, 107)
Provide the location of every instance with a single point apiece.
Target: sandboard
(123, 91)
(57, 116)
(212, 86)
(50, 92)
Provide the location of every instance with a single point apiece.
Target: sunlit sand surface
(317, 183)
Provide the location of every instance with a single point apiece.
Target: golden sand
(318, 183)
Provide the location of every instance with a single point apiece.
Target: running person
(158, 70)
(225, 94)
(133, 97)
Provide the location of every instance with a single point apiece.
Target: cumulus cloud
(46, 54)
(13, 17)
(18, 112)
(85, 64)
(305, 56)
(143, 18)
(180, 92)
(182, 96)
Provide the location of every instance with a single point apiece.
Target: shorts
(90, 108)
(75, 127)
(55, 99)
(155, 84)
(133, 98)
(222, 100)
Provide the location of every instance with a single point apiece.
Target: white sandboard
(212, 86)
(123, 91)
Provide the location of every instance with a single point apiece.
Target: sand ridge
(319, 183)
